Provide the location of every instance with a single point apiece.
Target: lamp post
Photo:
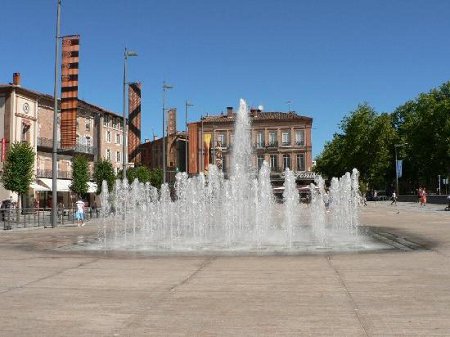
(187, 105)
(165, 87)
(396, 166)
(55, 120)
(126, 54)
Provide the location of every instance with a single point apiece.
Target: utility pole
(187, 105)
(55, 120)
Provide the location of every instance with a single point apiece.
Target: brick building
(152, 151)
(282, 139)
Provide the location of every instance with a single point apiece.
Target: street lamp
(55, 120)
(126, 54)
(396, 166)
(165, 87)
(187, 105)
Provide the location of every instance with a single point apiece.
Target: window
(118, 136)
(25, 137)
(300, 137)
(106, 121)
(108, 136)
(118, 156)
(115, 123)
(260, 139)
(272, 138)
(273, 162)
(286, 161)
(88, 124)
(88, 141)
(300, 162)
(220, 140)
(260, 161)
(108, 154)
(285, 139)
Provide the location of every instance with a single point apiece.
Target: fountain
(209, 214)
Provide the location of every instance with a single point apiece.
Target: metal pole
(55, 120)
(188, 104)
(164, 144)
(202, 155)
(186, 143)
(396, 171)
(164, 132)
(124, 149)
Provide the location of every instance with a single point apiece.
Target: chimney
(229, 111)
(172, 122)
(16, 79)
(253, 112)
(147, 140)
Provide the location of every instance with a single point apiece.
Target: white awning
(38, 186)
(62, 185)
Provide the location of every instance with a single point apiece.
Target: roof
(259, 116)
(50, 97)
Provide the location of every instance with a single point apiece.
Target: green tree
(18, 168)
(424, 123)
(80, 175)
(364, 143)
(103, 170)
(141, 173)
(156, 178)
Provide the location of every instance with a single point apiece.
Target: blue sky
(323, 56)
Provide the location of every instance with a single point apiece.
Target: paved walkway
(45, 292)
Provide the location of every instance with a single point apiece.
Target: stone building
(27, 115)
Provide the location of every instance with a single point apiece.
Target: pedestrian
(423, 199)
(79, 215)
(394, 198)
(419, 196)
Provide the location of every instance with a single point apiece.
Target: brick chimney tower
(172, 122)
(16, 79)
(134, 122)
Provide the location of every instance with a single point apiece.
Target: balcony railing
(272, 144)
(41, 173)
(79, 148)
(300, 143)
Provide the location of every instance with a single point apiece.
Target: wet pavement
(48, 290)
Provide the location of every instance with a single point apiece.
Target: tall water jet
(213, 214)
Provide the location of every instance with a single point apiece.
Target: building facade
(282, 139)
(27, 115)
(151, 152)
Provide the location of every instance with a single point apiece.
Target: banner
(69, 90)
(399, 168)
(206, 148)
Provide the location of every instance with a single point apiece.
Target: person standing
(394, 198)
(79, 215)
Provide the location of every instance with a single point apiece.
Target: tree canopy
(418, 130)
(103, 170)
(18, 168)
(80, 175)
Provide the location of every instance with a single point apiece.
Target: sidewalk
(50, 292)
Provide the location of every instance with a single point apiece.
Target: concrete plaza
(45, 291)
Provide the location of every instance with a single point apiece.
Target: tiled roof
(50, 97)
(259, 116)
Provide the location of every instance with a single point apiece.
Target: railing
(300, 143)
(259, 145)
(41, 173)
(80, 148)
(41, 217)
(272, 144)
